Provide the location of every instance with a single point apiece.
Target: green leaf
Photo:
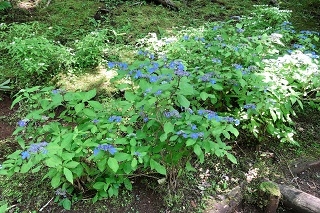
(55, 181)
(190, 142)
(232, 158)
(233, 130)
(26, 167)
(134, 163)
(99, 185)
(130, 96)
(95, 105)
(66, 203)
(204, 96)
(89, 113)
(189, 167)
(113, 164)
(71, 164)
(68, 174)
(79, 107)
(163, 137)
(168, 127)
(183, 101)
(89, 95)
(158, 167)
(217, 87)
(185, 87)
(4, 207)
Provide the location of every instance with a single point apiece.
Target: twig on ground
(40, 210)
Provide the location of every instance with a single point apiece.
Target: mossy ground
(69, 20)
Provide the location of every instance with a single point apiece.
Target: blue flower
(186, 37)
(216, 27)
(145, 119)
(105, 147)
(137, 153)
(138, 74)
(123, 66)
(115, 118)
(172, 113)
(25, 155)
(185, 135)
(181, 72)
(194, 135)
(23, 123)
(216, 60)
(111, 64)
(180, 132)
(240, 30)
(212, 81)
(236, 122)
(55, 91)
(153, 78)
(297, 46)
(238, 66)
(95, 121)
(193, 127)
(159, 92)
(249, 106)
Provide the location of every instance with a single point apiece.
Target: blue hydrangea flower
(194, 135)
(115, 118)
(137, 153)
(105, 147)
(172, 113)
(55, 91)
(193, 127)
(216, 60)
(95, 121)
(159, 92)
(23, 123)
(153, 78)
(25, 155)
(236, 122)
(240, 30)
(112, 64)
(186, 37)
(238, 66)
(180, 72)
(249, 106)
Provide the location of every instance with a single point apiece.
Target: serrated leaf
(204, 96)
(55, 181)
(183, 101)
(95, 105)
(89, 113)
(113, 164)
(71, 164)
(232, 158)
(68, 174)
(66, 203)
(89, 95)
(79, 107)
(158, 167)
(190, 142)
(130, 96)
(168, 127)
(163, 137)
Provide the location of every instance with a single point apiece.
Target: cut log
(167, 3)
(271, 191)
(299, 200)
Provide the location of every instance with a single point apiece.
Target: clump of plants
(189, 100)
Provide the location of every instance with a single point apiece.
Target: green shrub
(189, 100)
(36, 60)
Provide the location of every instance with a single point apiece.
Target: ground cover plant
(181, 100)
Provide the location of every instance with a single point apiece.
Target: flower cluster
(23, 122)
(115, 118)
(208, 78)
(213, 115)
(172, 113)
(105, 147)
(249, 106)
(34, 149)
(120, 65)
(193, 135)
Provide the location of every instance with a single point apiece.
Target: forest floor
(271, 161)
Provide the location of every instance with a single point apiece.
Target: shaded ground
(5, 113)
